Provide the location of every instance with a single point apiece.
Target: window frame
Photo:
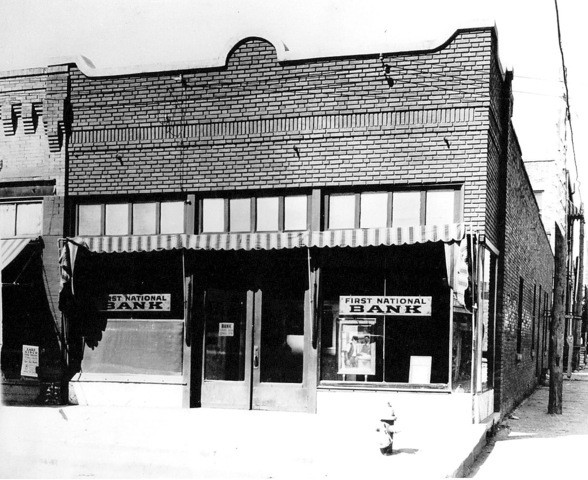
(23, 201)
(130, 209)
(253, 212)
(457, 203)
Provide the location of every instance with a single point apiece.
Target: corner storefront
(304, 321)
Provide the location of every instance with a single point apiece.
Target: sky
(118, 36)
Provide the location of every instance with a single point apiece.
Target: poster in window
(30, 361)
(357, 347)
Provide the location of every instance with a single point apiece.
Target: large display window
(133, 319)
(385, 316)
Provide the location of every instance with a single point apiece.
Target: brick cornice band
(304, 124)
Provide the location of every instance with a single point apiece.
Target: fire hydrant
(386, 431)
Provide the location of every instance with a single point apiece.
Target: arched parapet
(220, 57)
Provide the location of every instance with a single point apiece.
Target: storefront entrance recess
(254, 344)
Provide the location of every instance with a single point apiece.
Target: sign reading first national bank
(372, 305)
(144, 302)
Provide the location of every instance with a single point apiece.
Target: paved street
(534, 444)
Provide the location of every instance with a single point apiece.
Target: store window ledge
(390, 387)
(120, 378)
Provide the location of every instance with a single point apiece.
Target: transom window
(140, 218)
(254, 214)
(392, 209)
(20, 219)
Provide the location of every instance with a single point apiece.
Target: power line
(540, 79)
(567, 95)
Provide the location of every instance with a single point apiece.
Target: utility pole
(556, 333)
(579, 296)
(569, 289)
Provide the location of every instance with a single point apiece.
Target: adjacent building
(32, 193)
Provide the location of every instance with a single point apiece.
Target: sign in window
(372, 305)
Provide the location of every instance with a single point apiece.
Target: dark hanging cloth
(85, 323)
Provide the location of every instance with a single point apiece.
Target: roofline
(283, 54)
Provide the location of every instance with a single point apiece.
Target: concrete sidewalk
(533, 444)
(75, 441)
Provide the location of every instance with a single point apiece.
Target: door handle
(255, 356)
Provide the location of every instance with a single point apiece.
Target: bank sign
(371, 305)
(143, 302)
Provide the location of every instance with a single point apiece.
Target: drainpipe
(505, 116)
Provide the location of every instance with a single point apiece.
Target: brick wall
(33, 110)
(495, 135)
(235, 128)
(527, 255)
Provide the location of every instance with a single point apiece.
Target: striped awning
(209, 241)
(362, 237)
(374, 237)
(10, 248)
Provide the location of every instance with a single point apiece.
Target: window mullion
(129, 218)
(102, 219)
(226, 222)
(281, 213)
(389, 212)
(157, 218)
(357, 210)
(15, 219)
(252, 214)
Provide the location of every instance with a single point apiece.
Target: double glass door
(254, 347)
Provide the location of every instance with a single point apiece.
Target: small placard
(226, 329)
(30, 361)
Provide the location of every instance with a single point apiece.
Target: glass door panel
(227, 349)
(281, 346)
(282, 338)
(225, 331)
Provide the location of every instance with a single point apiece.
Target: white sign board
(420, 369)
(143, 302)
(372, 305)
(226, 329)
(30, 361)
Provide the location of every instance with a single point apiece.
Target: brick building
(316, 235)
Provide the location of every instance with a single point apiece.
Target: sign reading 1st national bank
(143, 302)
(399, 306)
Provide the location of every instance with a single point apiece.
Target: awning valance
(10, 248)
(362, 237)
(209, 241)
(374, 237)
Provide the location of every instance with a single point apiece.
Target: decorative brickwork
(53, 122)
(29, 118)
(31, 153)
(8, 119)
